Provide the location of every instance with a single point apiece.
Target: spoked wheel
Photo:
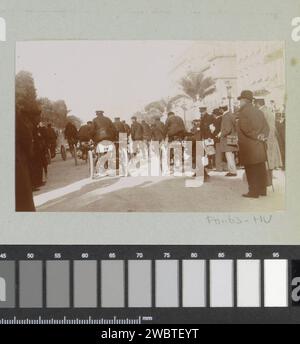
(91, 163)
(63, 153)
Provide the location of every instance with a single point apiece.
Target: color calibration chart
(149, 284)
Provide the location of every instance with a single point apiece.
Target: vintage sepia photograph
(150, 126)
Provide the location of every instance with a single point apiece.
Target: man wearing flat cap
(253, 130)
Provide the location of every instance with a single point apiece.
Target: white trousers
(231, 162)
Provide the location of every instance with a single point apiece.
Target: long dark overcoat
(252, 124)
(24, 154)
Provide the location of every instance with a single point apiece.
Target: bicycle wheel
(75, 154)
(63, 153)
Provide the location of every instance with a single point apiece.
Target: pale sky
(119, 77)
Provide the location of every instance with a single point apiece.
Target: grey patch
(31, 284)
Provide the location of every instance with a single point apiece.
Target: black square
(295, 283)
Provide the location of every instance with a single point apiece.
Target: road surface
(69, 189)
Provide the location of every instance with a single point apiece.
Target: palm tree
(159, 105)
(164, 105)
(196, 86)
(174, 99)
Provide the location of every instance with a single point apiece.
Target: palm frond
(196, 86)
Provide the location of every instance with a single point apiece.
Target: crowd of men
(251, 137)
(248, 137)
(34, 149)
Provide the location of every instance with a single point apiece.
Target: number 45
(296, 31)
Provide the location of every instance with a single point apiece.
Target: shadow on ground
(157, 194)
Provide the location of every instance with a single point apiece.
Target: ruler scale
(253, 283)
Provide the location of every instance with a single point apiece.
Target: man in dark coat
(252, 132)
(136, 130)
(42, 130)
(71, 133)
(217, 117)
(158, 130)
(37, 161)
(52, 137)
(127, 128)
(24, 153)
(103, 128)
(174, 127)
(120, 128)
(217, 120)
(206, 121)
(146, 131)
(137, 138)
(85, 133)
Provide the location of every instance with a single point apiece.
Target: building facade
(234, 66)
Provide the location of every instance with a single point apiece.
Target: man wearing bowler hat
(253, 130)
